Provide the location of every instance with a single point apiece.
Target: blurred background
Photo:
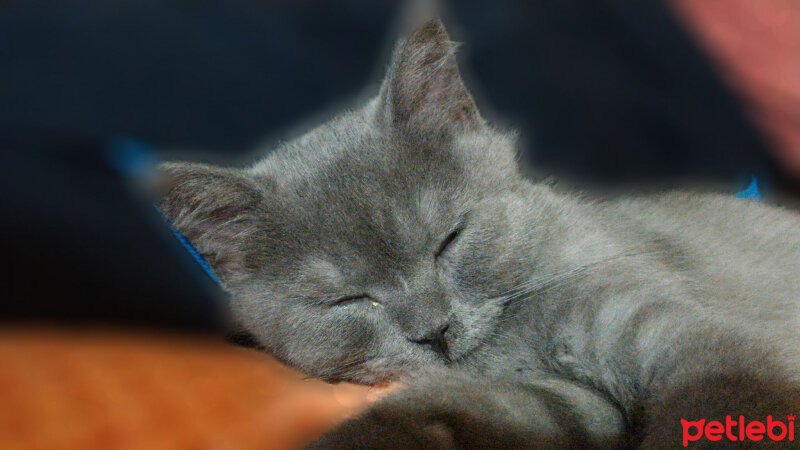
(603, 92)
(614, 95)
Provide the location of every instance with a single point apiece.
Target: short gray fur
(545, 321)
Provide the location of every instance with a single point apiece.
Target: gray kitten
(399, 241)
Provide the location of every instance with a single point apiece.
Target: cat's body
(399, 241)
(704, 256)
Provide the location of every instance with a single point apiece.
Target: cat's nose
(436, 339)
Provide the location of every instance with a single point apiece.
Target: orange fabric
(87, 391)
(756, 45)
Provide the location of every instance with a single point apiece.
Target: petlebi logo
(738, 429)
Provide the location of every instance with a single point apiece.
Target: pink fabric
(756, 46)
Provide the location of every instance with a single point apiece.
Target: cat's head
(377, 243)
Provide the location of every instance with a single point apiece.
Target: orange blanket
(104, 390)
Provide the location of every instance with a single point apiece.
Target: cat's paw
(390, 428)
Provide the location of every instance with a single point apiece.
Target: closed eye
(452, 237)
(349, 299)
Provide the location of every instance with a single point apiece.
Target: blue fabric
(752, 191)
(190, 248)
(136, 159)
(131, 157)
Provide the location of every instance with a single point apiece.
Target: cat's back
(739, 256)
(719, 222)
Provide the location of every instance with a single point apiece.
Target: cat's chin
(369, 379)
(376, 381)
(461, 356)
(380, 372)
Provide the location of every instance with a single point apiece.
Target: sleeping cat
(399, 242)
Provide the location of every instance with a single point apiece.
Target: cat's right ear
(423, 91)
(217, 209)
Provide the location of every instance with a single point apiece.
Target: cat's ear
(423, 89)
(217, 209)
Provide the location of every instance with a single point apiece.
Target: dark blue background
(602, 91)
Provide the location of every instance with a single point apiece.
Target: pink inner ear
(425, 87)
(217, 240)
(446, 94)
(461, 115)
(437, 90)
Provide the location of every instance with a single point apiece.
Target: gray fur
(568, 322)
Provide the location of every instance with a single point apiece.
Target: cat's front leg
(458, 412)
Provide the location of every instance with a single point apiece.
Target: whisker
(551, 281)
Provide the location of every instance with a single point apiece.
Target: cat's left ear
(219, 210)
(423, 90)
